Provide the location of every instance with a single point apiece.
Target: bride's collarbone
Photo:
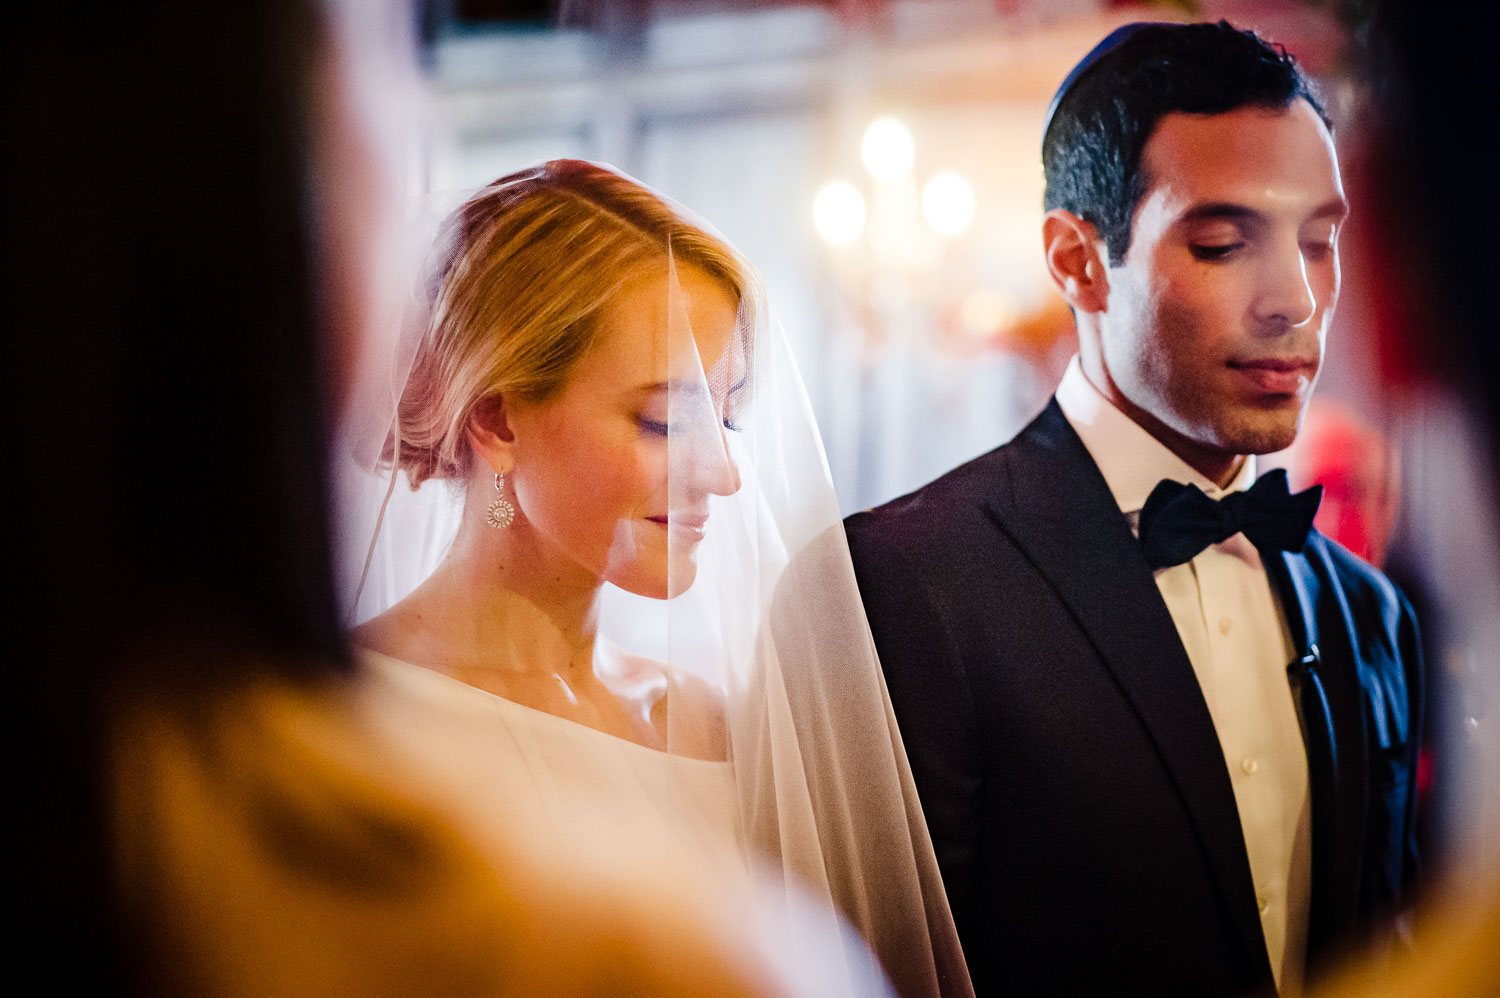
(636, 699)
(633, 709)
(628, 696)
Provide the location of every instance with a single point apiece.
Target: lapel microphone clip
(1305, 665)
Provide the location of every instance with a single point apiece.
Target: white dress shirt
(1235, 633)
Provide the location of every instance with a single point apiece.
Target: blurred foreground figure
(1165, 732)
(206, 798)
(1359, 471)
(1434, 179)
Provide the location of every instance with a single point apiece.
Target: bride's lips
(1277, 375)
(688, 523)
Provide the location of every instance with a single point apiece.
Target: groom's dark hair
(1102, 119)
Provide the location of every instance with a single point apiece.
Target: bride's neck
(508, 603)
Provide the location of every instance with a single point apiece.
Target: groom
(1164, 734)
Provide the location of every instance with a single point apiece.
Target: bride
(616, 570)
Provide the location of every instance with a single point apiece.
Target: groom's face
(1217, 317)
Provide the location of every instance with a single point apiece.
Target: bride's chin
(662, 581)
(681, 579)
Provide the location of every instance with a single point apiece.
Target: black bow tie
(1178, 520)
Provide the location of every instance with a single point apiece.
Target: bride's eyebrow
(685, 386)
(692, 387)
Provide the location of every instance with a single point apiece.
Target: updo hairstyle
(527, 266)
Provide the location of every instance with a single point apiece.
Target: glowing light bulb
(839, 212)
(948, 203)
(887, 148)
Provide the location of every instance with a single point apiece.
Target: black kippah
(1111, 41)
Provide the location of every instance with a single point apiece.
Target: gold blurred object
(269, 845)
(1455, 953)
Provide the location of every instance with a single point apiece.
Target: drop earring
(502, 514)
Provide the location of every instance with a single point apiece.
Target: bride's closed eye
(654, 427)
(661, 428)
(686, 410)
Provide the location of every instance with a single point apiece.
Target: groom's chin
(1265, 433)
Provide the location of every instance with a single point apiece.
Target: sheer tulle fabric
(771, 617)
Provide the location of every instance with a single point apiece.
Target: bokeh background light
(948, 203)
(887, 148)
(839, 212)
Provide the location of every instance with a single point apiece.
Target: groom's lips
(1277, 375)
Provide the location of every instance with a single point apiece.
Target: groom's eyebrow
(1219, 210)
(1335, 209)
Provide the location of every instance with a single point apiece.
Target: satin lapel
(1055, 505)
(1325, 686)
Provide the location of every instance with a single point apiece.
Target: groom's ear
(491, 436)
(1074, 258)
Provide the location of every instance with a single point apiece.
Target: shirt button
(1262, 903)
(1249, 765)
(1224, 625)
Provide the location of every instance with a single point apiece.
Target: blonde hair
(528, 265)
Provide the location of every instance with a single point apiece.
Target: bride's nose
(725, 480)
(702, 460)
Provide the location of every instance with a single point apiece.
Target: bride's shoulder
(689, 708)
(381, 633)
(396, 633)
(693, 710)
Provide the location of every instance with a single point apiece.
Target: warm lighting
(839, 212)
(887, 148)
(984, 312)
(948, 203)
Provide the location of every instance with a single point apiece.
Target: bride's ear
(491, 436)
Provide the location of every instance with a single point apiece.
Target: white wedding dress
(579, 799)
(549, 768)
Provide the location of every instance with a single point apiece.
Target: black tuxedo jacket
(1068, 767)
